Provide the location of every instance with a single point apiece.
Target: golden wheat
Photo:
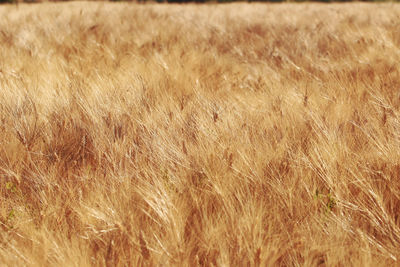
(227, 135)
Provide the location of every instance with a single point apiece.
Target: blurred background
(199, 1)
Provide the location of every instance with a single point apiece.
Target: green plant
(327, 200)
(12, 188)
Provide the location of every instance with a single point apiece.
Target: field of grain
(199, 135)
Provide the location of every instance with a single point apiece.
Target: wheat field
(199, 135)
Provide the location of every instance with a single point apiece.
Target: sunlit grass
(228, 135)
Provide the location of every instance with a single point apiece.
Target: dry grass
(240, 134)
